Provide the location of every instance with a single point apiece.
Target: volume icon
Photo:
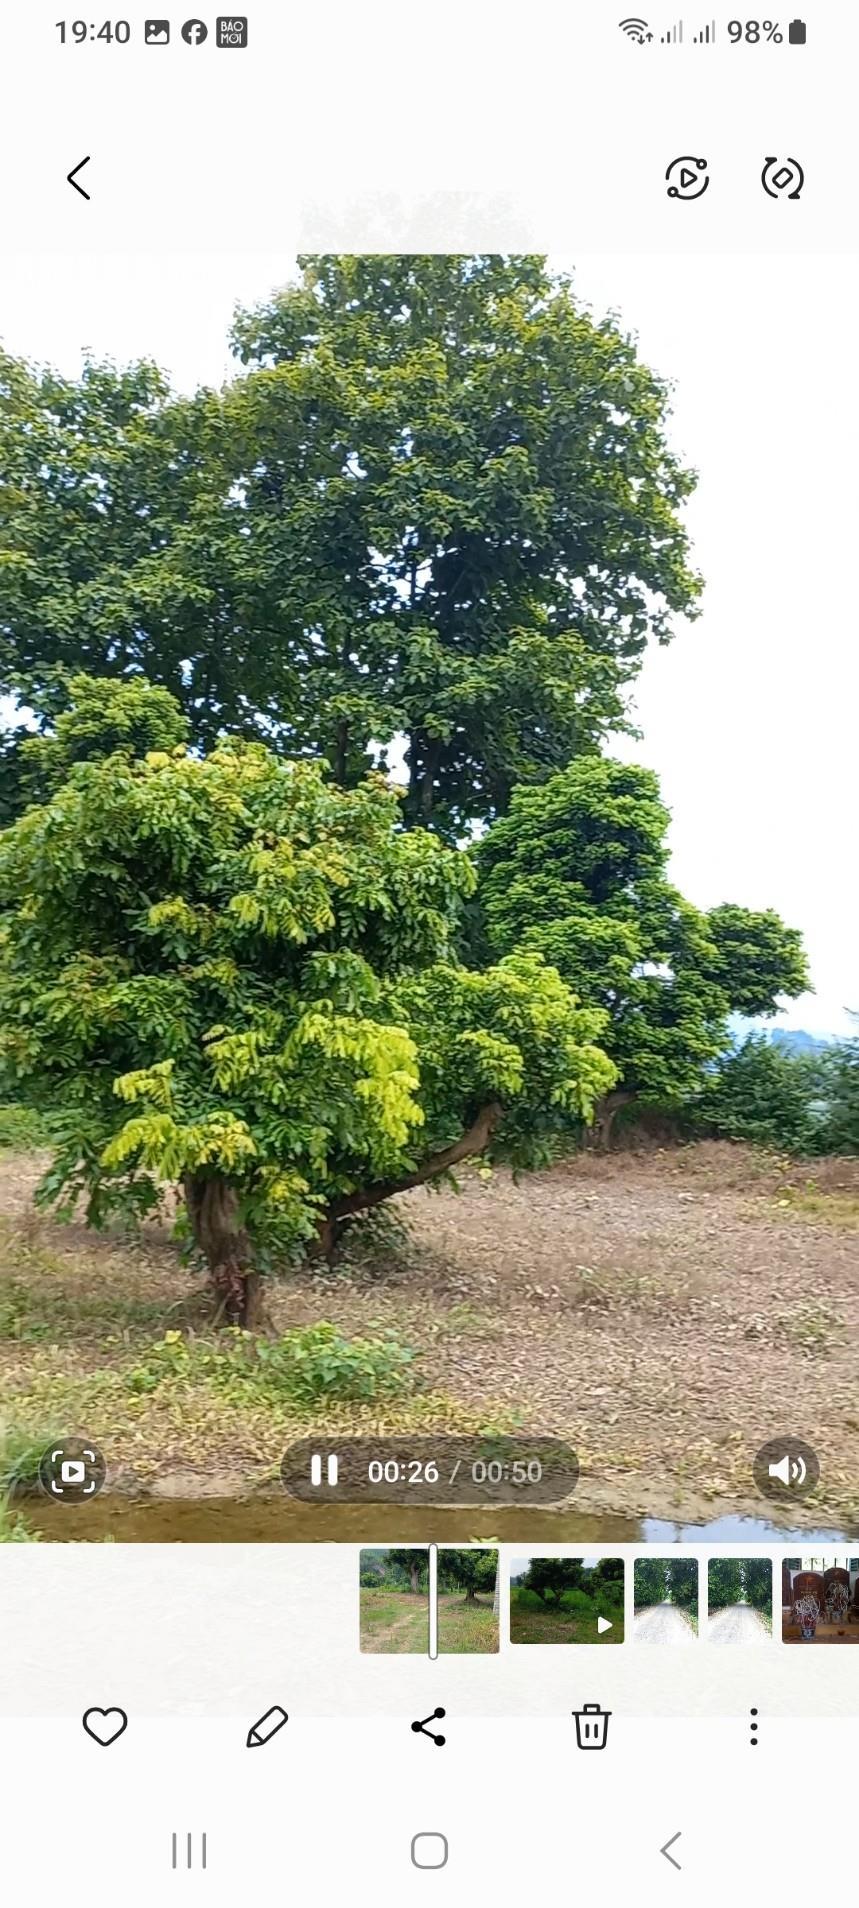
(332, 1468)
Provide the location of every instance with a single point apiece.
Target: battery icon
(796, 33)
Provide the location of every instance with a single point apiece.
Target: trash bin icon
(591, 1726)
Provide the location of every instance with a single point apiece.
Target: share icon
(420, 1728)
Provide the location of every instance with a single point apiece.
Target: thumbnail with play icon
(566, 1600)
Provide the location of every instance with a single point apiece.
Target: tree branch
(475, 1140)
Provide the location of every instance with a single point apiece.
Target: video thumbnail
(820, 1599)
(406, 1609)
(567, 1600)
(666, 1600)
(394, 1602)
(739, 1599)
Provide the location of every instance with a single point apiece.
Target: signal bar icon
(332, 1467)
(706, 36)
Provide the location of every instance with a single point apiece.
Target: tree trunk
(213, 1210)
(606, 1114)
(415, 1574)
(468, 1146)
(341, 754)
(469, 1597)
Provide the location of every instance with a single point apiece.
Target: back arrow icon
(72, 176)
(670, 1844)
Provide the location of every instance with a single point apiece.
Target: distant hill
(795, 1040)
(789, 1039)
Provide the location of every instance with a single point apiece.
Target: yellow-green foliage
(225, 965)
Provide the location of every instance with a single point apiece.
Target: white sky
(750, 715)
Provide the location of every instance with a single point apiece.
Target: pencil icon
(266, 1726)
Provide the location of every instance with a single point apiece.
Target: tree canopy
(577, 872)
(409, 1564)
(232, 975)
(468, 1570)
(550, 1577)
(439, 504)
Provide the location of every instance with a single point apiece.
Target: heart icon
(105, 1725)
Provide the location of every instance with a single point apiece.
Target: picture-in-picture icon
(72, 1472)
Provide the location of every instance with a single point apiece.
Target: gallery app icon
(232, 30)
(156, 33)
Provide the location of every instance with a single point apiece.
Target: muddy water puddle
(277, 1520)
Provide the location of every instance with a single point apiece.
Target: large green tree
(724, 1582)
(232, 976)
(550, 1577)
(440, 505)
(409, 1563)
(469, 1570)
(577, 871)
(651, 1582)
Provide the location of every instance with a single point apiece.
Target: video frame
(332, 869)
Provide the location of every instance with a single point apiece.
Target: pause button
(332, 1467)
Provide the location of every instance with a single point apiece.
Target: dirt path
(405, 1635)
(663, 1623)
(738, 1623)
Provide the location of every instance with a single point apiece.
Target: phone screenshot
(429, 990)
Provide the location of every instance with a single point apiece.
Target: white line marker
(433, 1602)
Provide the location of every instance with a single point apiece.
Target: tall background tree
(651, 1582)
(682, 1578)
(577, 871)
(411, 1565)
(758, 1584)
(724, 1582)
(440, 505)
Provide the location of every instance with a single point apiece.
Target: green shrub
(316, 1362)
(20, 1456)
(16, 1321)
(839, 1087)
(765, 1095)
(305, 1365)
(13, 1529)
(22, 1128)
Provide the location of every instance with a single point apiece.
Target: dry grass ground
(666, 1312)
(394, 1622)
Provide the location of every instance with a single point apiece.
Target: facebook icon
(194, 32)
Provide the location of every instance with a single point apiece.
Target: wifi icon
(637, 30)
